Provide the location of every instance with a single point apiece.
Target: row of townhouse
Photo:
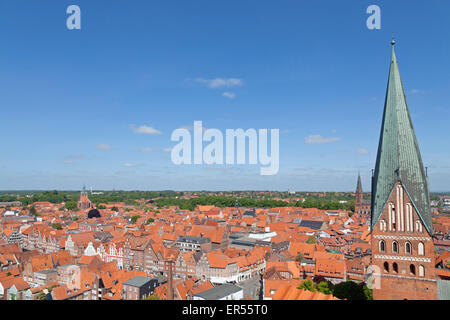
(38, 238)
(144, 255)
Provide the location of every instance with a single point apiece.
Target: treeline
(171, 198)
(220, 201)
(327, 205)
(129, 197)
(50, 196)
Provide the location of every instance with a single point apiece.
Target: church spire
(359, 184)
(399, 158)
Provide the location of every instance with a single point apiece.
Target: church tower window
(408, 248)
(395, 267)
(421, 271)
(382, 246)
(421, 249)
(395, 247)
(412, 269)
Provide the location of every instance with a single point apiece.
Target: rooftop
(219, 292)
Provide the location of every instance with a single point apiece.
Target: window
(386, 267)
(418, 226)
(412, 269)
(382, 246)
(395, 267)
(408, 248)
(421, 249)
(421, 271)
(395, 247)
(382, 225)
(391, 217)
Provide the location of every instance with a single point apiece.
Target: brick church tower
(362, 207)
(84, 203)
(401, 225)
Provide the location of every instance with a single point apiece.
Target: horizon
(155, 190)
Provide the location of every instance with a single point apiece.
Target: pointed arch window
(392, 220)
(383, 226)
(421, 271)
(386, 267)
(395, 267)
(395, 247)
(408, 248)
(421, 249)
(418, 226)
(382, 246)
(412, 269)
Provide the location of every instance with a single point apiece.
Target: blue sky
(72, 102)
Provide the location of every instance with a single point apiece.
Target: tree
(368, 293)
(150, 220)
(307, 285)
(311, 240)
(71, 205)
(324, 287)
(33, 211)
(349, 290)
(42, 296)
(151, 298)
(56, 226)
(134, 218)
(318, 279)
(299, 257)
(115, 209)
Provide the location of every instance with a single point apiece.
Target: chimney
(170, 282)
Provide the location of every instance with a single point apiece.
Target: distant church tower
(84, 203)
(362, 207)
(401, 225)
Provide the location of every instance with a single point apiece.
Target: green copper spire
(359, 184)
(398, 156)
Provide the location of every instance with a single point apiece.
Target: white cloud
(73, 158)
(318, 139)
(144, 130)
(229, 95)
(104, 146)
(133, 165)
(362, 151)
(220, 82)
(129, 165)
(417, 91)
(151, 150)
(146, 150)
